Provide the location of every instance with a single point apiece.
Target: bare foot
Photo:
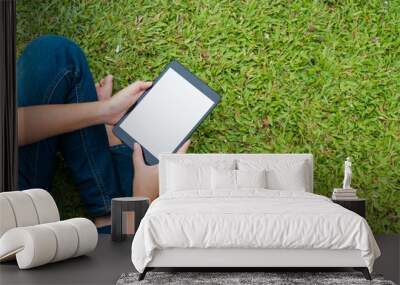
(104, 91)
(102, 221)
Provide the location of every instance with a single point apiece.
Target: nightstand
(126, 215)
(355, 205)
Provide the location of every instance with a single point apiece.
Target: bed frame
(250, 259)
(245, 258)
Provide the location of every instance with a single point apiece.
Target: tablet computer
(167, 114)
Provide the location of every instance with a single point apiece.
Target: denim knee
(49, 43)
(49, 64)
(67, 51)
(50, 39)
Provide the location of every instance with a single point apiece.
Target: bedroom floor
(389, 262)
(106, 264)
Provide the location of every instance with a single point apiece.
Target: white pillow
(251, 178)
(281, 175)
(185, 175)
(188, 177)
(292, 177)
(226, 179)
(223, 179)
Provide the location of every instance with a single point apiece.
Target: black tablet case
(196, 82)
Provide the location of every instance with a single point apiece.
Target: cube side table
(126, 214)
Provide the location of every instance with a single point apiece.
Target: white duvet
(250, 219)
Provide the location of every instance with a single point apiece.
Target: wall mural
(320, 77)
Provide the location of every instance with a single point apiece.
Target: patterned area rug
(273, 278)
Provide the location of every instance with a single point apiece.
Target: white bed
(198, 223)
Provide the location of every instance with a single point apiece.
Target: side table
(126, 214)
(358, 206)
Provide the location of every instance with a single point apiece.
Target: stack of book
(344, 194)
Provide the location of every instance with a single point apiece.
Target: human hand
(116, 106)
(145, 182)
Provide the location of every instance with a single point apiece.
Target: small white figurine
(347, 174)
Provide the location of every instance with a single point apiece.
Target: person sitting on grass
(60, 109)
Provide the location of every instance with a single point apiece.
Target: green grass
(295, 76)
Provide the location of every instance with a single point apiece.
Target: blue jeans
(54, 70)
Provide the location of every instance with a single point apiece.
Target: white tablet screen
(166, 114)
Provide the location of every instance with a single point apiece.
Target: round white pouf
(23, 208)
(45, 205)
(7, 218)
(67, 240)
(30, 230)
(87, 235)
(37, 245)
(33, 246)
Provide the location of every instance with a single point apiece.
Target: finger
(139, 86)
(184, 147)
(137, 155)
(135, 97)
(143, 85)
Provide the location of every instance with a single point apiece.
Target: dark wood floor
(389, 262)
(110, 260)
